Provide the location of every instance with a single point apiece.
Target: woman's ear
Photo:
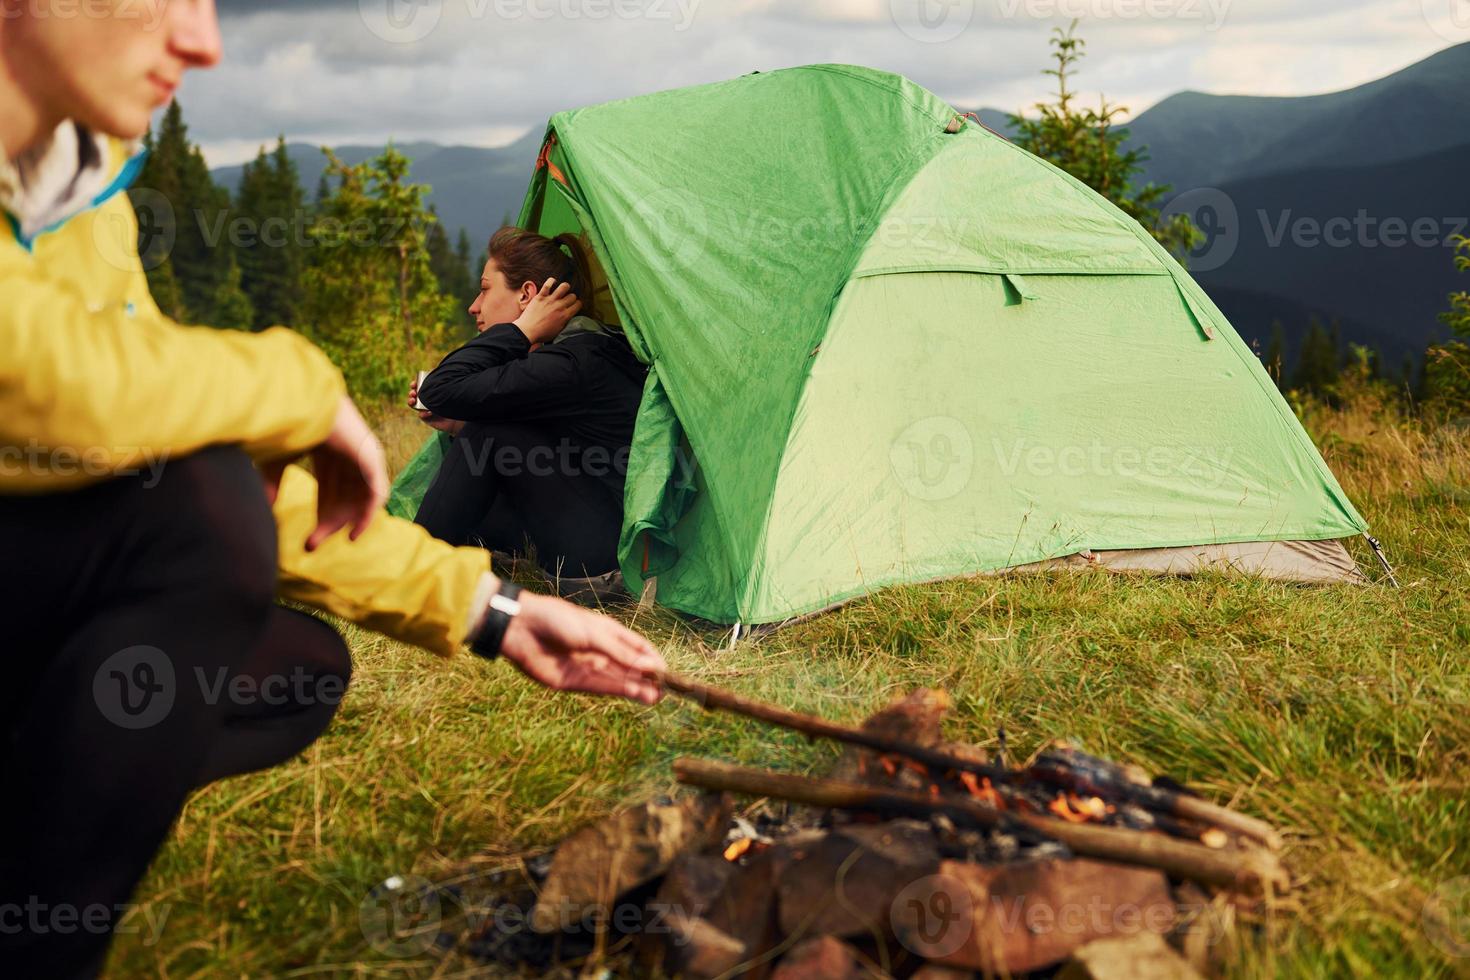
(528, 293)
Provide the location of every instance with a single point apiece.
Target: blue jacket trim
(120, 183)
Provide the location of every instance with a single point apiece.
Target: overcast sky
(485, 71)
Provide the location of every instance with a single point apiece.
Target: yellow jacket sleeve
(91, 389)
(395, 579)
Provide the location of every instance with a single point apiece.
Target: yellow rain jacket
(96, 382)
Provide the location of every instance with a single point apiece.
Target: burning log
(1250, 871)
(858, 877)
(1077, 771)
(1066, 768)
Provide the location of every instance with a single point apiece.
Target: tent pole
(1378, 550)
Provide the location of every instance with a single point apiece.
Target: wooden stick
(714, 698)
(1190, 807)
(1249, 871)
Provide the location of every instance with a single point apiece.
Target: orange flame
(1075, 809)
(737, 848)
(982, 790)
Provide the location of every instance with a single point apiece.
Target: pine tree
(1445, 382)
(273, 206)
(232, 307)
(1457, 317)
(371, 298)
(1088, 144)
(202, 253)
(1317, 366)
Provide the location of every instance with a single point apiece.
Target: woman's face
(497, 302)
(108, 64)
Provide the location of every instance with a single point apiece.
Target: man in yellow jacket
(151, 519)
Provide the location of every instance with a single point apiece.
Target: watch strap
(505, 605)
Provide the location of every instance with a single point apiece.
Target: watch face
(502, 603)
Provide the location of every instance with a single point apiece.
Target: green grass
(1341, 714)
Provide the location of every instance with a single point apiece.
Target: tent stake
(1382, 560)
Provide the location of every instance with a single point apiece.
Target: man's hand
(572, 649)
(548, 312)
(351, 477)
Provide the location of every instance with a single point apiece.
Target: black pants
(146, 658)
(504, 484)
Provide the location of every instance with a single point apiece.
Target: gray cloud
(478, 71)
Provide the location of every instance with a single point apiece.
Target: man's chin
(121, 123)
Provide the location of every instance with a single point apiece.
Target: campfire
(914, 857)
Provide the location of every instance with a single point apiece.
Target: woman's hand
(548, 312)
(351, 477)
(568, 648)
(449, 426)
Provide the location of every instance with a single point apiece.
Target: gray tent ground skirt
(1313, 562)
(1305, 562)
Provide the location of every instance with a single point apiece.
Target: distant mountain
(1396, 148)
(1198, 140)
(1363, 245)
(473, 188)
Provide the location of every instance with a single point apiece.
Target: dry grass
(1340, 713)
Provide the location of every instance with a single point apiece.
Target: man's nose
(194, 32)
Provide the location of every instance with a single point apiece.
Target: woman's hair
(524, 256)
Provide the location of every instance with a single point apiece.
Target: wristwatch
(505, 605)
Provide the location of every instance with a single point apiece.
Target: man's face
(108, 64)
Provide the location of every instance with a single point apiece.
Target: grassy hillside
(1339, 713)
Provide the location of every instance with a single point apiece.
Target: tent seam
(914, 162)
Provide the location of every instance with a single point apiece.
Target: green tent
(887, 345)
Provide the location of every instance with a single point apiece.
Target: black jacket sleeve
(496, 378)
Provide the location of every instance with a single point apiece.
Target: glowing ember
(1075, 809)
(982, 790)
(737, 848)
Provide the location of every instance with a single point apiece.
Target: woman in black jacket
(541, 406)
